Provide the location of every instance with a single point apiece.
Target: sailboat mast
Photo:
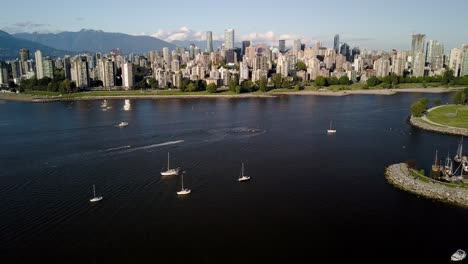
(182, 181)
(435, 162)
(168, 161)
(94, 190)
(242, 169)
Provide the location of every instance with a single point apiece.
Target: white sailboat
(448, 168)
(458, 155)
(242, 177)
(331, 131)
(435, 167)
(95, 198)
(459, 255)
(122, 124)
(169, 171)
(465, 163)
(183, 191)
(104, 104)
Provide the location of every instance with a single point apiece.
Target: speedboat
(123, 124)
(458, 256)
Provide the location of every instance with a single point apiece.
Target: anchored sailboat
(169, 171)
(183, 191)
(242, 177)
(448, 168)
(458, 155)
(435, 167)
(95, 198)
(331, 131)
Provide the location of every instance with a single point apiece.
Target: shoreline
(426, 125)
(400, 177)
(273, 94)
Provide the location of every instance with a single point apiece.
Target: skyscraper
(229, 39)
(435, 54)
(209, 41)
(3, 73)
(245, 45)
(296, 47)
(80, 72)
(48, 67)
(39, 65)
(417, 44)
(107, 72)
(166, 55)
(336, 43)
(24, 57)
(454, 63)
(282, 45)
(464, 61)
(128, 79)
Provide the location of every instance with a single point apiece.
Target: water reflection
(127, 105)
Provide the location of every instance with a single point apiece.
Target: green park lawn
(450, 115)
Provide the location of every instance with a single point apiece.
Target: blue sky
(371, 24)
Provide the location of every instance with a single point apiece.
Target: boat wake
(168, 143)
(118, 148)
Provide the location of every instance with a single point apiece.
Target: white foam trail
(123, 147)
(154, 146)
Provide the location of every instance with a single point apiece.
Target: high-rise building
(128, 78)
(209, 41)
(245, 45)
(344, 50)
(24, 57)
(296, 47)
(454, 62)
(166, 55)
(48, 67)
(15, 69)
(80, 72)
(382, 67)
(39, 65)
(435, 54)
(107, 72)
(464, 61)
(67, 67)
(419, 64)
(336, 44)
(3, 73)
(282, 45)
(229, 39)
(417, 44)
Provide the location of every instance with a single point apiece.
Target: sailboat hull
(170, 173)
(244, 179)
(96, 199)
(184, 192)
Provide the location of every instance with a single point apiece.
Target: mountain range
(10, 46)
(96, 41)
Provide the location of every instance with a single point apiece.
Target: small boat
(331, 131)
(183, 191)
(169, 171)
(458, 256)
(104, 104)
(95, 198)
(458, 155)
(465, 163)
(242, 177)
(123, 124)
(448, 168)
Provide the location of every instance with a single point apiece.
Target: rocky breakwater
(401, 177)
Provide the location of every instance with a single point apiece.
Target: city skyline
(360, 24)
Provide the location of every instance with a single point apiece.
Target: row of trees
(322, 81)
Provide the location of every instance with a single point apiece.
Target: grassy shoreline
(44, 96)
(449, 115)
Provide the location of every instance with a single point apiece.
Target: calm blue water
(312, 196)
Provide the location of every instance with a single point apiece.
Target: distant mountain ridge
(10, 46)
(97, 41)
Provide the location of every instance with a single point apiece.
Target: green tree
(301, 66)
(191, 87)
(424, 102)
(394, 79)
(417, 109)
(211, 88)
(447, 77)
(286, 83)
(437, 102)
(387, 80)
(238, 89)
(233, 83)
(372, 81)
(333, 81)
(321, 81)
(277, 80)
(153, 83)
(344, 80)
(263, 84)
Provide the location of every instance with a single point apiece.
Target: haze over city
(378, 25)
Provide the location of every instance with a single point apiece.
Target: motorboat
(123, 124)
(459, 255)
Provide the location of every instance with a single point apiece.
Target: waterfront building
(435, 54)
(454, 61)
(382, 67)
(107, 72)
(48, 67)
(39, 65)
(282, 45)
(24, 56)
(417, 44)
(296, 47)
(79, 70)
(128, 78)
(464, 61)
(3, 73)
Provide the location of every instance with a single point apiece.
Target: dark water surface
(311, 197)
